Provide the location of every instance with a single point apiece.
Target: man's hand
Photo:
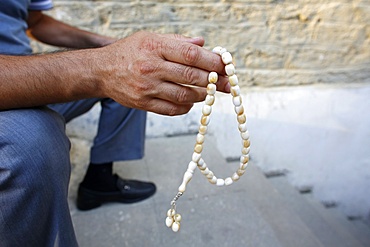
(165, 74)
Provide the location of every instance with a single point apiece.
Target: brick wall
(274, 43)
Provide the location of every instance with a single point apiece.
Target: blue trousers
(35, 167)
(121, 130)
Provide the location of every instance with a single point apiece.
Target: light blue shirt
(13, 24)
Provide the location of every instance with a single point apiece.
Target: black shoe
(128, 191)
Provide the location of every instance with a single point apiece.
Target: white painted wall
(320, 136)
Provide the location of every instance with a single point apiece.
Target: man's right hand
(164, 74)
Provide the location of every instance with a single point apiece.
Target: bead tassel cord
(173, 219)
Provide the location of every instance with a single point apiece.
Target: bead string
(173, 219)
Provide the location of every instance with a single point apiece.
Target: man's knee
(34, 174)
(33, 142)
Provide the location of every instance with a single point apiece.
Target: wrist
(99, 71)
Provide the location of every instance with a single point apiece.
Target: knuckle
(182, 96)
(215, 65)
(152, 44)
(141, 89)
(172, 111)
(146, 67)
(177, 36)
(190, 75)
(191, 54)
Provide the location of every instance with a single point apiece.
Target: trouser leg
(121, 130)
(34, 177)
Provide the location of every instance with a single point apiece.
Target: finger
(191, 76)
(223, 84)
(168, 108)
(179, 94)
(192, 55)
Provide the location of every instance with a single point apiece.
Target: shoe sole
(87, 199)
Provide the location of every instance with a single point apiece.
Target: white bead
(201, 162)
(190, 171)
(233, 80)
(192, 166)
(210, 99)
(235, 177)
(175, 226)
(245, 135)
(202, 166)
(245, 150)
(235, 90)
(239, 109)
(222, 51)
(228, 181)
(210, 175)
(212, 77)
(198, 148)
(196, 157)
(211, 89)
(206, 110)
(182, 188)
(242, 127)
(213, 180)
(205, 171)
(187, 177)
(237, 101)
(169, 221)
(226, 58)
(200, 138)
(243, 166)
(246, 143)
(202, 129)
(220, 182)
(217, 50)
(177, 217)
(171, 212)
(230, 69)
(242, 119)
(244, 159)
(205, 120)
(240, 172)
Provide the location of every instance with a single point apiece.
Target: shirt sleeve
(40, 5)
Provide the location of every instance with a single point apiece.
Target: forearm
(28, 81)
(53, 32)
(144, 71)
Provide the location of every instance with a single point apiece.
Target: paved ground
(251, 212)
(211, 216)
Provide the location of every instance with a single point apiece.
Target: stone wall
(304, 71)
(275, 43)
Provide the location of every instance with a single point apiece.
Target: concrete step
(212, 216)
(361, 232)
(251, 212)
(327, 227)
(340, 222)
(290, 229)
